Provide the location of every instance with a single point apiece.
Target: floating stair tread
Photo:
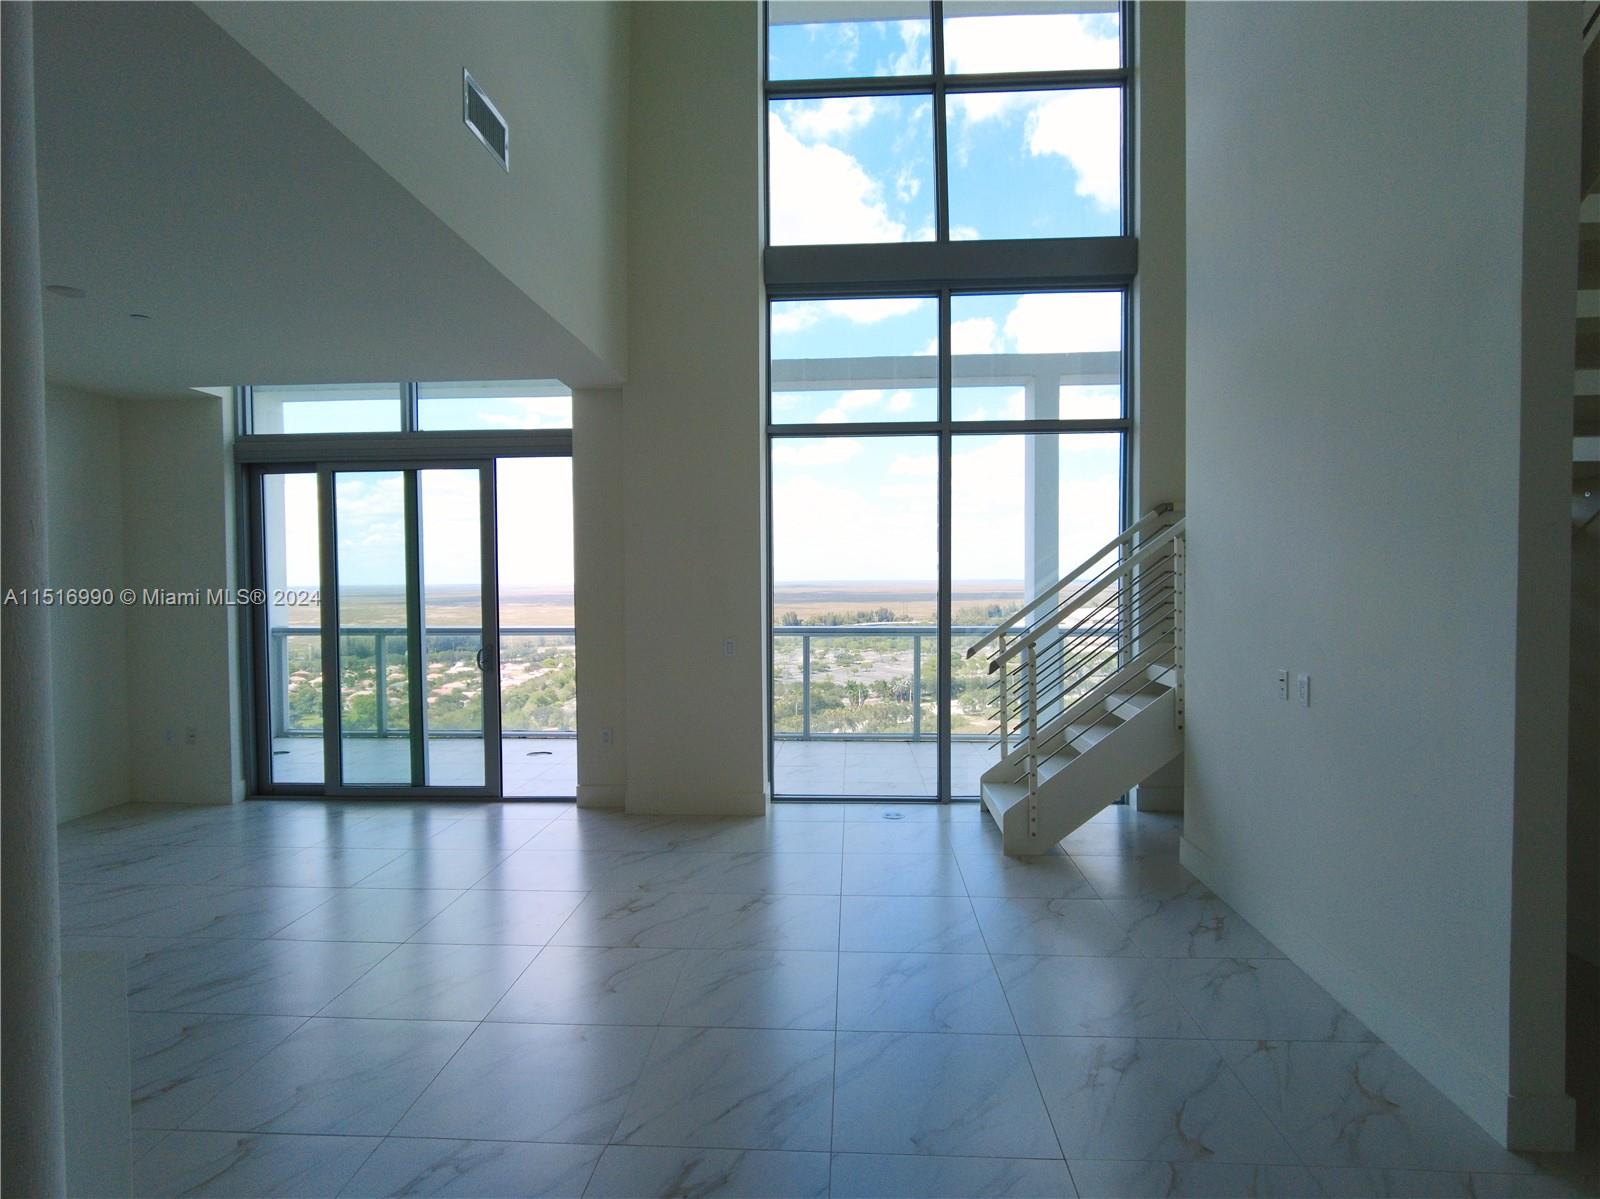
(1002, 797)
(1127, 703)
(1092, 732)
(1048, 770)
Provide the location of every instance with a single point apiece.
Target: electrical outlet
(190, 735)
(1303, 690)
(1283, 684)
(728, 648)
(605, 738)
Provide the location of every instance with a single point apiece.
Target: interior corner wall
(182, 656)
(88, 660)
(1356, 458)
(1156, 453)
(694, 526)
(600, 590)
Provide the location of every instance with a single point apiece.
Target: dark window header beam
(1015, 265)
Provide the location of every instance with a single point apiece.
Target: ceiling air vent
(484, 119)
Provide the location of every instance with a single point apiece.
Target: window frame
(943, 268)
(1112, 259)
(945, 432)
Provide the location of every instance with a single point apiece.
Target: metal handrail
(1093, 651)
(1084, 664)
(1149, 588)
(1078, 572)
(1125, 569)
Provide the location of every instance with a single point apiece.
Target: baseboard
(605, 795)
(1518, 1122)
(1157, 799)
(645, 804)
(221, 797)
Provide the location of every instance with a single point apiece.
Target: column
(31, 1147)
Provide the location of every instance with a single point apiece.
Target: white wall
(388, 76)
(182, 661)
(1158, 297)
(1158, 292)
(600, 596)
(1376, 499)
(89, 675)
(694, 531)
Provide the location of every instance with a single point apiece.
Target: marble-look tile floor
(856, 1000)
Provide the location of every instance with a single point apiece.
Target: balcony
(853, 709)
(538, 744)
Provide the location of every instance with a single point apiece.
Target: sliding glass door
(377, 638)
(410, 631)
(411, 545)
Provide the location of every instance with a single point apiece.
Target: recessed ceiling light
(139, 316)
(61, 289)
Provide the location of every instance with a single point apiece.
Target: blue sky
(1022, 164)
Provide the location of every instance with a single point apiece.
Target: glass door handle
(483, 658)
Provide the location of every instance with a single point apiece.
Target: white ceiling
(180, 178)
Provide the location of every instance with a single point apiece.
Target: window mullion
(941, 172)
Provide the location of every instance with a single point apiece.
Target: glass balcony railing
(873, 683)
(537, 681)
(855, 682)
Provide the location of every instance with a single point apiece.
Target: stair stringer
(1096, 778)
(1153, 664)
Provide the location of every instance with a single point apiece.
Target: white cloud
(972, 108)
(907, 185)
(1083, 126)
(1065, 323)
(534, 525)
(914, 53)
(832, 451)
(870, 312)
(819, 120)
(990, 44)
(915, 466)
(793, 318)
(988, 481)
(851, 401)
(820, 194)
(857, 530)
(975, 335)
(901, 401)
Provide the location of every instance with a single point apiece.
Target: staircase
(1087, 686)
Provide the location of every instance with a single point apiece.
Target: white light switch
(1283, 684)
(1303, 689)
(727, 648)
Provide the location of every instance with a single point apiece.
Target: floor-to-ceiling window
(948, 407)
(412, 548)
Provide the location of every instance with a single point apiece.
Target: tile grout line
(1022, 1042)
